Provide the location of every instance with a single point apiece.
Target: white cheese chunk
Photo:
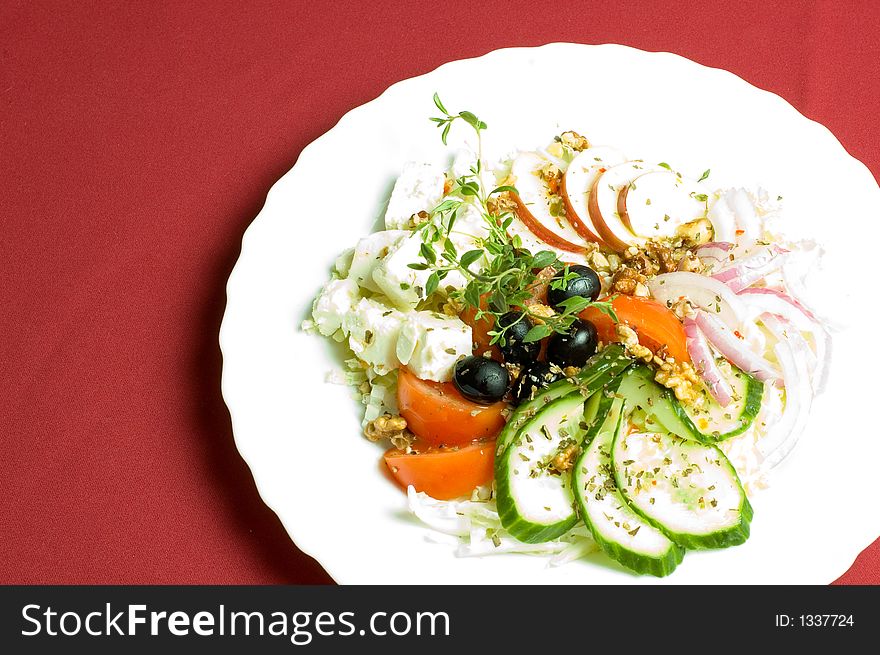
(469, 226)
(419, 188)
(373, 330)
(370, 252)
(335, 301)
(405, 286)
(429, 344)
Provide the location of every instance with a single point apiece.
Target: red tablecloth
(138, 140)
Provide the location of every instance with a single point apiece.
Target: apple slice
(535, 244)
(533, 205)
(577, 182)
(602, 203)
(655, 204)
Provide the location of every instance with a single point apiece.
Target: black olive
(586, 284)
(516, 350)
(575, 347)
(481, 380)
(532, 379)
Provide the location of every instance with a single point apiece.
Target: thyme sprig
(507, 274)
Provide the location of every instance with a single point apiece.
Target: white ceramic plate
(301, 436)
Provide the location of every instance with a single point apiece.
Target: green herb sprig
(509, 274)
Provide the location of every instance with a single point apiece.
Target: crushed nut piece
(599, 262)
(630, 340)
(697, 232)
(388, 427)
(571, 371)
(574, 140)
(626, 279)
(690, 263)
(682, 308)
(682, 378)
(501, 203)
(564, 458)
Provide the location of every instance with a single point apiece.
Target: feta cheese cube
(405, 286)
(334, 302)
(469, 226)
(370, 252)
(419, 188)
(373, 330)
(430, 343)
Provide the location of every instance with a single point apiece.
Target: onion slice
(735, 349)
(789, 349)
(703, 291)
(745, 272)
(704, 362)
(772, 301)
(717, 253)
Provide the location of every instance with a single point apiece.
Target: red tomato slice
(655, 324)
(444, 473)
(440, 416)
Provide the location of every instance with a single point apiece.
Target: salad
(569, 350)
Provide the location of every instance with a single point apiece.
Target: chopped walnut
(413, 222)
(599, 262)
(696, 233)
(630, 340)
(564, 458)
(681, 377)
(662, 255)
(682, 308)
(690, 263)
(388, 427)
(501, 203)
(626, 279)
(574, 140)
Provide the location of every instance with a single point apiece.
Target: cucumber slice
(661, 405)
(624, 535)
(719, 423)
(598, 371)
(687, 489)
(534, 500)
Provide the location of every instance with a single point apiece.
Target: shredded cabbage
(478, 530)
(382, 398)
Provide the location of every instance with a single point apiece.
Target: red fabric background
(138, 140)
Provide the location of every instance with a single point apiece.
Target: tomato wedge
(443, 473)
(440, 416)
(655, 324)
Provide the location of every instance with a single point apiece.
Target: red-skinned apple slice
(533, 205)
(602, 203)
(655, 204)
(577, 182)
(534, 244)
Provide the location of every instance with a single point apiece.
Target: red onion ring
(704, 362)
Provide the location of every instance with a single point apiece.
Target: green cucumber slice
(622, 533)
(719, 423)
(688, 490)
(660, 404)
(598, 372)
(534, 500)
